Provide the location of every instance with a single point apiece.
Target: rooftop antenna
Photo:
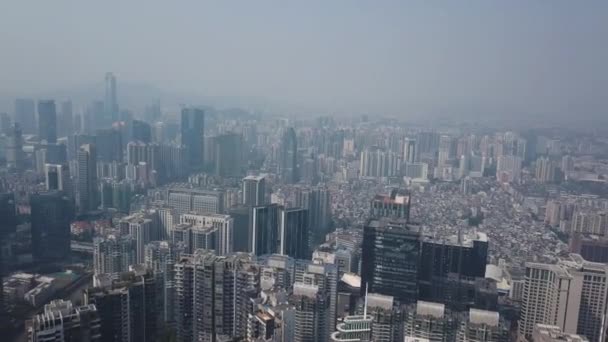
(365, 305)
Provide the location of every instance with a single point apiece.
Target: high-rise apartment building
(210, 231)
(160, 258)
(143, 228)
(62, 322)
(377, 163)
(192, 132)
(410, 151)
(390, 262)
(127, 307)
(571, 294)
(207, 290)
(430, 321)
(311, 320)
(51, 215)
(198, 201)
(47, 121)
(113, 255)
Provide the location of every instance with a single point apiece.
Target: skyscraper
(294, 233)
(58, 178)
(87, 197)
(264, 235)
(51, 214)
(161, 257)
(193, 131)
(311, 321)
(62, 322)
(317, 201)
(288, 162)
(14, 148)
(109, 145)
(207, 289)
(228, 155)
(113, 255)
(430, 321)
(390, 253)
(447, 268)
(571, 294)
(65, 120)
(127, 306)
(47, 121)
(186, 200)
(410, 151)
(254, 190)
(110, 104)
(141, 131)
(25, 115)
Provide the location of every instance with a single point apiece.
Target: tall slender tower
(110, 103)
(288, 162)
(87, 178)
(254, 190)
(47, 121)
(14, 148)
(25, 115)
(193, 130)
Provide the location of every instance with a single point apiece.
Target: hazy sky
(397, 57)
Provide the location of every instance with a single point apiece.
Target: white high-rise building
(571, 295)
(223, 225)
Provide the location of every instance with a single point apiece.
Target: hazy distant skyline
(387, 57)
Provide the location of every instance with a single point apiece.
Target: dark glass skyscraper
(449, 268)
(51, 214)
(109, 145)
(14, 148)
(141, 131)
(193, 131)
(390, 259)
(87, 178)
(254, 190)
(264, 228)
(288, 162)
(316, 200)
(228, 155)
(66, 120)
(25, 115)
(47, 121)
(294, 233)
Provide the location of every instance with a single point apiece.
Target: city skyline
(341, 58)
